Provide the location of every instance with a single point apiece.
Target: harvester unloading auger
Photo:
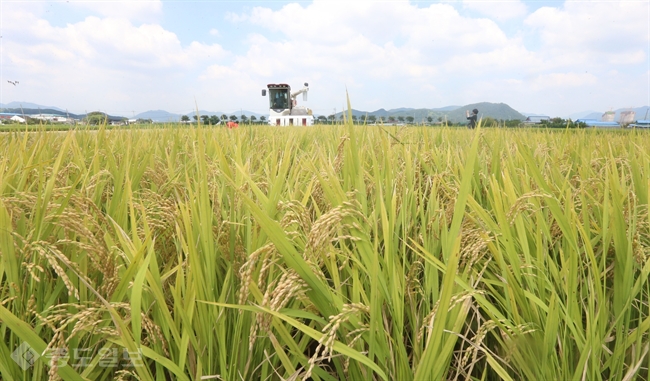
(283, 107)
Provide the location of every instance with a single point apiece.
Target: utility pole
(23, 111)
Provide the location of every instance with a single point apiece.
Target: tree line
(214, 119)
(372, 119)
(375, 119)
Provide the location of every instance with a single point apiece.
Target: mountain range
(641, 113)
(455, 114)
(164, 116)
(28, 108)
(29, 105)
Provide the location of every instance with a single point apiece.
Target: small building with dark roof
(536, 119)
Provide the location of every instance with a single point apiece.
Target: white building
(52, 118)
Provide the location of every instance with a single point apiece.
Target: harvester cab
(283, 106)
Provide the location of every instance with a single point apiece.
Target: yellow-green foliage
(332, 252)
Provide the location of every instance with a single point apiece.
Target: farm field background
(325, 253)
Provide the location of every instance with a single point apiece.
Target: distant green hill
(32, 111)
(485, 109)
(419, 114)
(452, 114)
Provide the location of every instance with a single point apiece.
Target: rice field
(325, 253)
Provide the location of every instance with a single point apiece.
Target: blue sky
(126, 57)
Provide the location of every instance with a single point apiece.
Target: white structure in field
(283, 107)
(627, 117)
(608, 116)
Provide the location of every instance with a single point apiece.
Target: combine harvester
(284, 109)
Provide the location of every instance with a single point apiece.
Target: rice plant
(328, 253)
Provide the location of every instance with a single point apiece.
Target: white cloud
(396, 44)
(134, 10)
(411, 50)
(603, 30)
(512, 58)
(500, 10)
(98, 61)
(230, 81)
(112, 42)
(563, 80)
(387, 54)
(394, 38)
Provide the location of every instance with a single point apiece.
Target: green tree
(185, 118)
(262, 119)
(354, 118)
(331, 118)
(489, 121)
(372, 118)
(224, 117)
(400, 118)
(513, 123)
(244, 119)
(430, 119)
(214, 120)
(253, 119)
(205, 119)
(410, 119)
(391, 119)
(196, 118)
(96, 118)
(562, 123)
(322, 119)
